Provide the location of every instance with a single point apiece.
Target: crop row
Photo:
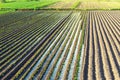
(84, 5)
(47, 48)
(101, 54)
(99, 5)
(20, 48)
(64, 5)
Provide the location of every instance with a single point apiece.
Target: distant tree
(2, 1)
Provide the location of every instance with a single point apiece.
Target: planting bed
(35, 45)
(98, 5)
(63, 5)
(102, 46)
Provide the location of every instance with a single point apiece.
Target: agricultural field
(85, 5)
(71, 4)
(61, 4)
(60, 45)
(59, 39)
(99, 5)
(102, 46)
(41, 45)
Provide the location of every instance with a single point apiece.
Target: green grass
(77, 3)
(3, 12)
(6, 11)
(27, 5)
